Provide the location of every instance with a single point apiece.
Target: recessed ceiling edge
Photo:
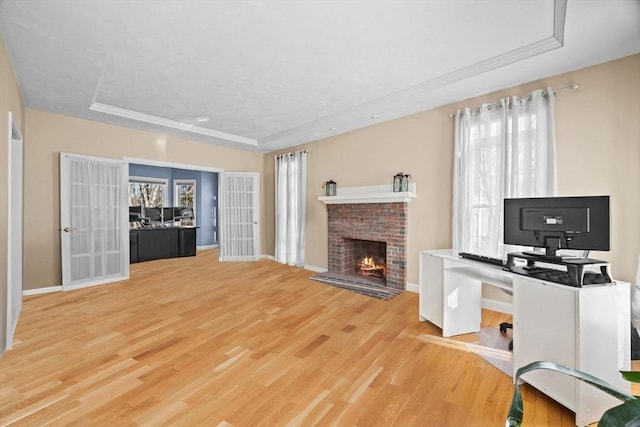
(148, 118)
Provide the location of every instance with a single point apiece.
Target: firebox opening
(366, 258)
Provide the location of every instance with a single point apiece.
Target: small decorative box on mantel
(370, 194)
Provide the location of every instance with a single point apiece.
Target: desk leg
(462, 304)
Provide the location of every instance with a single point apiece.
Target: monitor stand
(546, 257)
(574, 266)
(551, 246)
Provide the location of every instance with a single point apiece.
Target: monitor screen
(167, 214)
(135, 212)
(183, 212)
(153, 214)
(556, 223)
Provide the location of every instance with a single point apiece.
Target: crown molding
(155, 120)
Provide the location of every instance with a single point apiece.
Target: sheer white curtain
(502, 150)
(635, 299)
(291, 199)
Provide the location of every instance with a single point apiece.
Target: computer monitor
(167, 214)
(183, 212)
(153, 213)
(135, 212)
(556, 223)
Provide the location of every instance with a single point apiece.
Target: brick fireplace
(367, 240)
(384, 223)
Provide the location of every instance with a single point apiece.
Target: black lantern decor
(330, 188)
(401, 182)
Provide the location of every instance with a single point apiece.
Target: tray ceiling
(266, 75)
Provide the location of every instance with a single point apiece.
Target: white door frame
(14, 230)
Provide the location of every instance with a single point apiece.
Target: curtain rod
(292, 153)
(574, 86)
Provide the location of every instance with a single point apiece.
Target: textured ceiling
(266, 75)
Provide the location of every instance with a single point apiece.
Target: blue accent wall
(206, 196)
(208, 201)
(149, 171)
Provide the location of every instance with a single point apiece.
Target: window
(495, 177)
(147, 192)
(184, 195)
(502, 150)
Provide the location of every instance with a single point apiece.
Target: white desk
(451, 291)
(585, 328)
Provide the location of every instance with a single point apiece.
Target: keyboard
(483, 258)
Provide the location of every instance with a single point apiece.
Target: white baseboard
(495, 305)
(413, 287)
(314, 268)
(38, 291)
(206, 247)
(269, 257)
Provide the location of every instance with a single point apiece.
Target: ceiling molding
(155, 120)
(555, 41)
(559, 18)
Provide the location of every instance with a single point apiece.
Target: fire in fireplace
(370, 268)
(365, 259)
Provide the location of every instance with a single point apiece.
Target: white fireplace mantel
(370, 194)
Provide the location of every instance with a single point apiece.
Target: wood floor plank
(193, 342)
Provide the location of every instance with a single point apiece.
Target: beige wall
(598, 136)
(49, 134)
(10, 101)
(598, 152)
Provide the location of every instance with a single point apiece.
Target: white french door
(239, 214)
(94, 230)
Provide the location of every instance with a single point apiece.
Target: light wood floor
(195, 342)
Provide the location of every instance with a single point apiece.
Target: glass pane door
(239, 212)
(94, 227)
